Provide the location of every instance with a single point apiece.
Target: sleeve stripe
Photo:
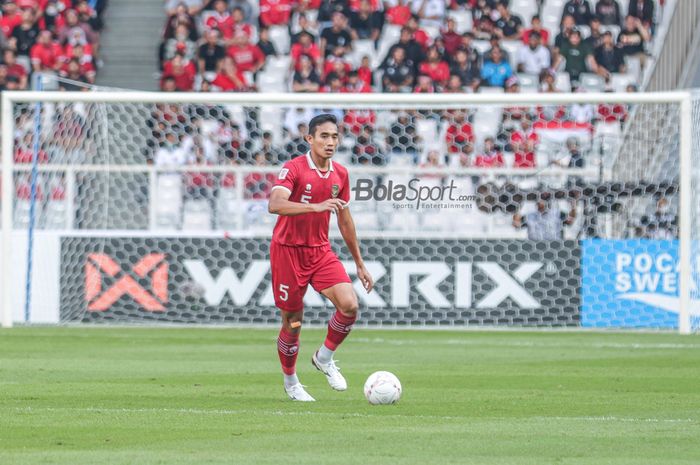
(281, 187)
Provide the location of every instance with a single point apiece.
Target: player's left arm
(347, 229)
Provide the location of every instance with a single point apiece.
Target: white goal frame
(684, 98)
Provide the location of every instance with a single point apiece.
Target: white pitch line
(225, 412)
(478, 342)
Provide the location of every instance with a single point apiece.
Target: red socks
(288, 349)
(338, 329)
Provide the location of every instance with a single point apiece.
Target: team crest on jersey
(283, 173)
(335, 189)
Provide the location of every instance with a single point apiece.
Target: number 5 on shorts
(284, 295)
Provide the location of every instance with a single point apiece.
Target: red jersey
(227, 84)
(307, 184)
(46, 55)
(439, 72)
(246, 57)
(8, 23)
(489, 160)
(458, 136)
(274, 12)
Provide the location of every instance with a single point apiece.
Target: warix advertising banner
(418, 281)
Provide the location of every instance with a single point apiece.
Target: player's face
(324, 141)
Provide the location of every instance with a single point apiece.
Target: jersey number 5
(284, 295)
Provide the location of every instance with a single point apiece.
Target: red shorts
(293, 268)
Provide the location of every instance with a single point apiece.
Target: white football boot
(332, 372)
(298, 393)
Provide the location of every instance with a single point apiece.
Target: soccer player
(307, 190)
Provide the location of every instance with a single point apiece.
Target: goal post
(126, 236)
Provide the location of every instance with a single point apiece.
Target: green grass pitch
(86, 395)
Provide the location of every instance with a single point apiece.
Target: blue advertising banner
(632, 283)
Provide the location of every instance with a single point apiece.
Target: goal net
(488, 209)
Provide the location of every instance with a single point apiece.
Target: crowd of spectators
(53, 37)
(427, 57)
(222, 45)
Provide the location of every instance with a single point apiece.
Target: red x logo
(100, 300)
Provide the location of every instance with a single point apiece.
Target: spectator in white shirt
(533, 57)
(430, 12)
(171, 153)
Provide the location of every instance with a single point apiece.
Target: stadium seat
(279, 36)
(486, 121)
(511, 47)
(227, 207)
(491, 90)
(591, 82)
(563, 82)
(584, 30)
(427, 129)
(55, 214)
(270, 82)
(619, 82)
(607, 138)
(361, 48)
(272, 122)
(196, 215)
(525, 9)
(634, 67)
(279, 65)
(390, 35)
(615, 30)
(482, 46)
(463, 20)
(169, 202)
(432, 31)
(528, 82)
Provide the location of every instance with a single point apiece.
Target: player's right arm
(280, 204)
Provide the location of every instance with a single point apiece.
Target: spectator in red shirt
(306, 79)
(523, 143)
(74, 74)
(536, 26)
(275, 12)
(333, 84)
(435, 67)
(45, 53)
(87, 68)
(14, 68)
(399, 14)
(306, 47)
(356, 84)
(183, 71)
(490, 157)
(364, 71)
(424, 85)
(230, 78)
(419, 35)
(11, 18)
(451, 38)
(460, 136)
(248, 57)
(221, 19)
(337, 65)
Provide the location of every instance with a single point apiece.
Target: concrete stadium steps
(130, 44)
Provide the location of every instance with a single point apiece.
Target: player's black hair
(319, 120)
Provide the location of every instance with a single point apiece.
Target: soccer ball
(382, 388)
